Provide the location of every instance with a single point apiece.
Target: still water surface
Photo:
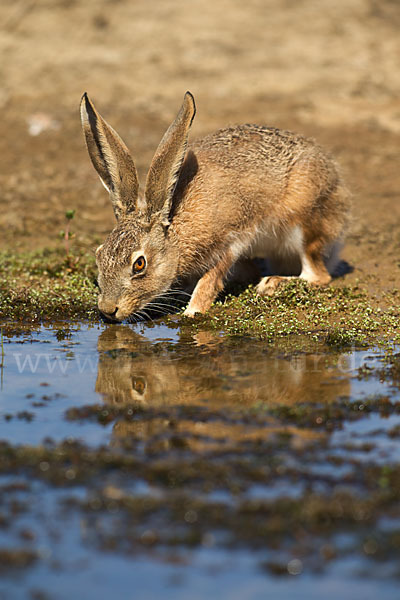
(237, 428)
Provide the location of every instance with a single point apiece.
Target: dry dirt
(326, 69)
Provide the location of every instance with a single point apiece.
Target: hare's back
(252, 145)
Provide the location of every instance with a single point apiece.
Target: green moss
(47, 284)
(338, 337)
(301, 316)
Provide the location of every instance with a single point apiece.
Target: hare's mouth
(109, 317)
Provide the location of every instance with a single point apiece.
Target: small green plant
(69, 215)
(342, 338)
(67, 235)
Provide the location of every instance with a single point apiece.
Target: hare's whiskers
(159, 305)
(179, 292)
(143, 312)
(151, 307)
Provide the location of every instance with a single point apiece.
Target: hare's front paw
(190, 311)
(269, 285)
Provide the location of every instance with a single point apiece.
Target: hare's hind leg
(313, 270)
(306, 241)
(268, 285)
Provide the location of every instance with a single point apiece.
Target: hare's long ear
(111, 159)
(167, 162)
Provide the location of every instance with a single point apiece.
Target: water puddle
(190, 465)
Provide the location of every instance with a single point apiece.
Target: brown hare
(242, 192)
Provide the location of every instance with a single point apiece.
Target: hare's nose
(108, 309)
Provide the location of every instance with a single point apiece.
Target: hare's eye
(139, 265)
(139, 385)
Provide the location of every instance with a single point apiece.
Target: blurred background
(325, 69)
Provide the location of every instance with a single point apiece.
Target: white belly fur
(267, 244)
(284, 252)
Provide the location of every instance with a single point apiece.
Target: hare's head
(137, 261)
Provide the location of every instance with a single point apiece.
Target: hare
(242, 192)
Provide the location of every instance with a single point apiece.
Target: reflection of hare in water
(210, 375)
(132, 370)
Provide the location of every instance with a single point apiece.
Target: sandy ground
(329, 70)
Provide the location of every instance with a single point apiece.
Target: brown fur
(241, 192)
